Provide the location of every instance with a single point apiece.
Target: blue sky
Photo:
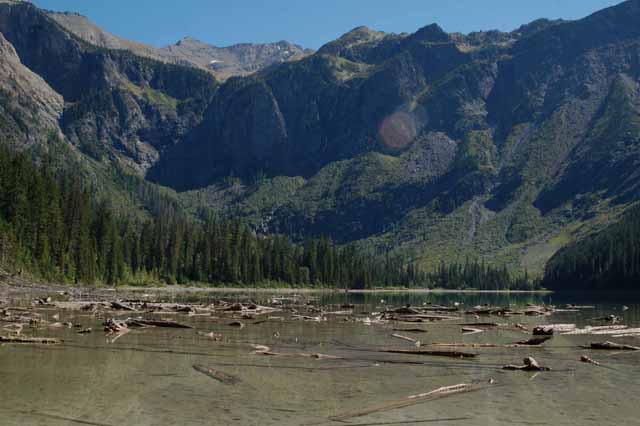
(309, 23)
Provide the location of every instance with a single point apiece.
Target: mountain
(602, 261)
(437, 146)
(223, 62)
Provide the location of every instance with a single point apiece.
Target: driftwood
(138, 322)
(480, 324)
(602, 330)
(295, 355)
(450, 354)
(30, 340)
(114, 326)
(218, 375)
(530, 364)
(536, 341)
(408, 401)
(121, 306)
(613, 319)
(408, 339)
(411, 330)
(610, 346)
(480, 345)
(588, 360)
(550, 329)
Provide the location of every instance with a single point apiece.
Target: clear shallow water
(147, 378)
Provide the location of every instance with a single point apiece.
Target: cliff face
(29, 107)
(118, 105)
(489, 144)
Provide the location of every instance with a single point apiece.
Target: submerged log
(536, 341)
(610, 346)
(408, 401)
(218, 375)
(121, 306)
(30, 340)
(588, 360)
(408, 339)
(530, 364)
(139, 322)
(114, 326)
(450, 354)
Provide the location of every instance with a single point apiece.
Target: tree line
(52, 227)
(607, 260)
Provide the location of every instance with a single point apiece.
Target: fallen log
(114, 326)
(218, 375)
(30, 340)
(613, 319)
(139, 322)
(588, 360)
(536, 341)
(530, 364)
(450, 354)
(480, 345)
(602, 330)
(610, 346)
(295, 355)
(408, 339)
(121, 306)
(408, 401)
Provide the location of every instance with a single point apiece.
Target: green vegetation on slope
(607, 260)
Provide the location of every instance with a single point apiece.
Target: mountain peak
(431, 33)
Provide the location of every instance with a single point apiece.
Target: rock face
(223, 62)
(29, 107)
(488, 144)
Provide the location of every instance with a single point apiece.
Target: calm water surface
(147, 378)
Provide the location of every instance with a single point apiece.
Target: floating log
(530, 364)
(588, 360)
(610, 346)
(30, 340)
(139, 322)
(121, 306)
(408, 339)
(114, 326)
(450, 354)
(408, 401)
(613, 319)
(469, 330)
(536, 341)
(218, 375)
(603, 330)
(479, 345)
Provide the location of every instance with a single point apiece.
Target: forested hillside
(50, 225)
(606, 261)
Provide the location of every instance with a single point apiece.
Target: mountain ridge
(436, 146)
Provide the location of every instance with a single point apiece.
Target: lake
(147, 376)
